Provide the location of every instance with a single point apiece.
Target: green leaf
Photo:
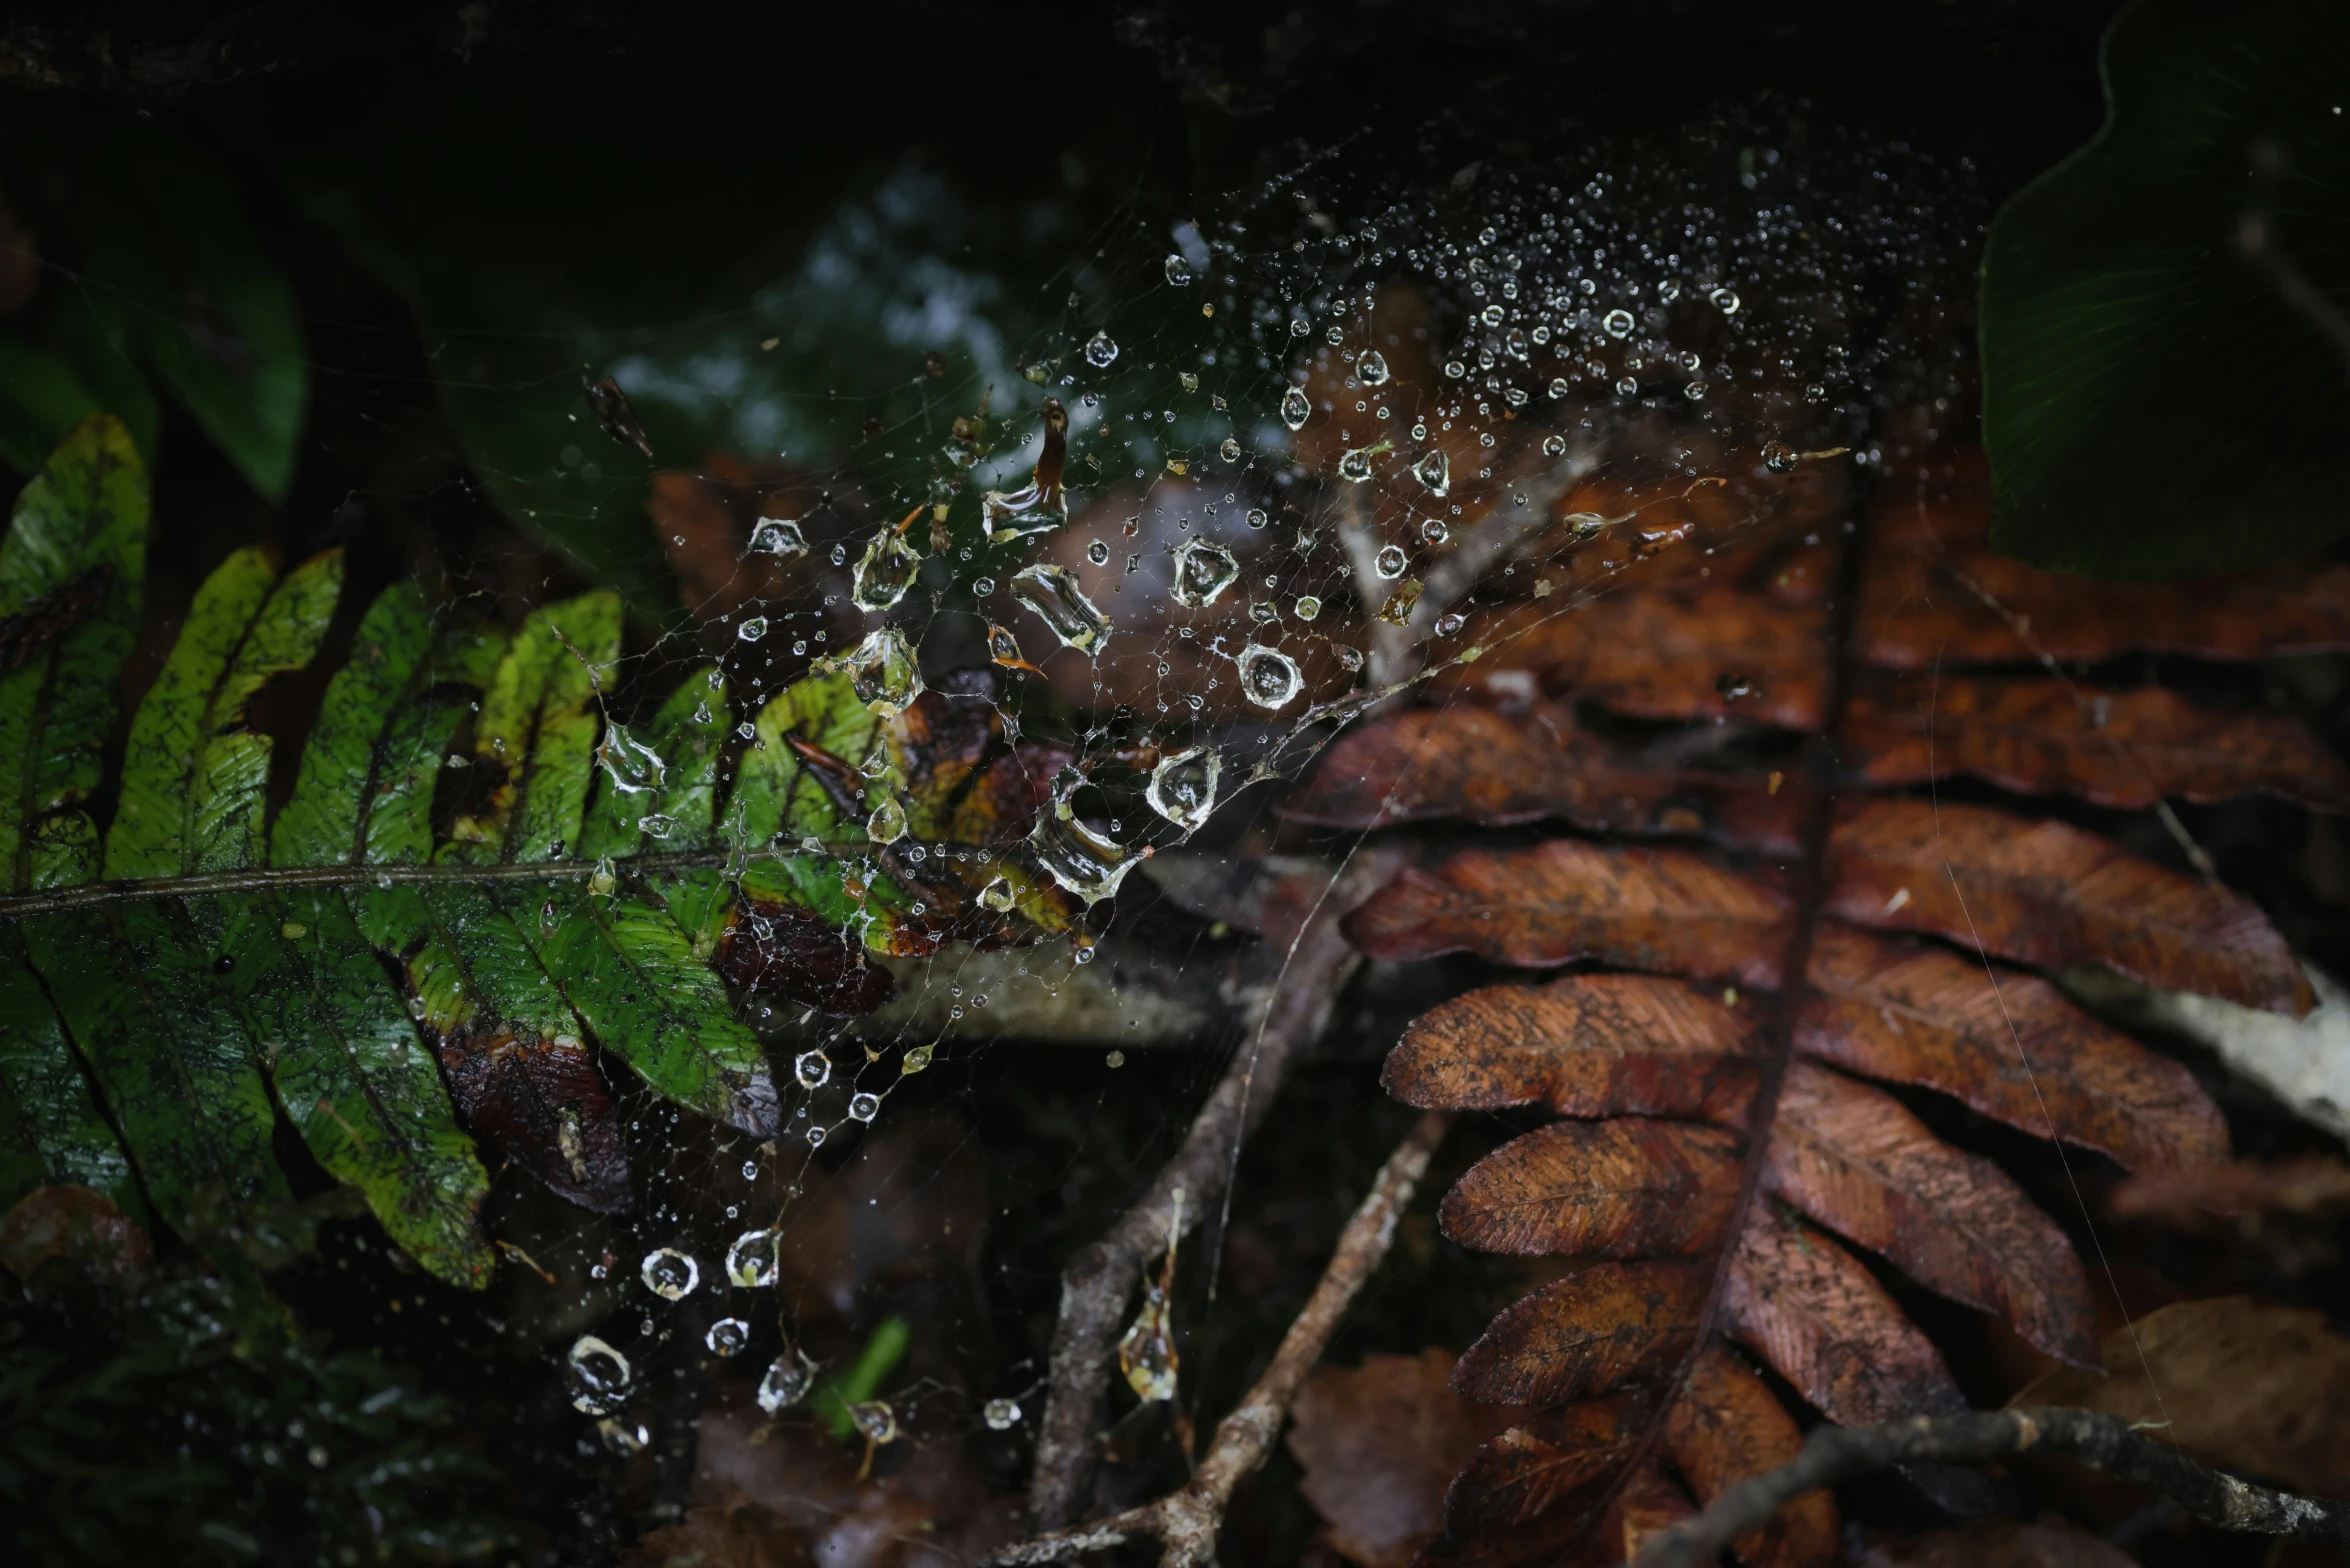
(51, 1132)
(72, 577)
(193, 776)
(214, 313)
(536, 735)
(41, 398)
(2153, 405)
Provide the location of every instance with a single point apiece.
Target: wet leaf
(1628, 1188)
(1588, 1045)
(1378, 1444)
(542, 1101)
(1597, 1330)
(2050, 894)
(1853, 1159)
(1727, 1426)
(1500, 767)
(1657, 909)
(1543, 1461)
(2129, 749)
(76, 1224)
(2007, 1044)
(2247, 1386)
(2194, 1196)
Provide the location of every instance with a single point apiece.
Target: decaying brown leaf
(1820, 1320)
(1663, 910)
(2190, 1196)
(2129, 749)
(1727, 1426)
(2242, 1385)
(1379, 1443)
(544, 1103)
(1854, 1159)
(2049, 894)
(1544, 1461)
(1499, 767)
(1599, 1329)
(2008, 1044)
(1588, 1045)
(1632, 1187)
(77, 1224)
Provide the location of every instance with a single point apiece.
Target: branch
(1833, 1454)
(1101, 1279)
(1186, 1522)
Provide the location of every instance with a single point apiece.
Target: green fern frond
(388, 983)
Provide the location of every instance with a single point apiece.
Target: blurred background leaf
(2153, 404)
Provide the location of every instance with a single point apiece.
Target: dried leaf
(543, 1102)
(1588, 1045)
(1923, 585)
(732, 1534)
(1629, 1188)
(2128, 749)
(1719, 654)
(782, 951)
(1378, 1444)
(1821, 1321)
(1649, 1505)
(2007, 1044)
(1727, 1426)
(1853, 1159)
(1544, 1460)
(2189, 1195)
(2049, 894)
(1664, 910)
(1598, 1329)
(1502, 767)
(2244, 1385)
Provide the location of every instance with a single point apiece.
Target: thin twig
(1101, 1279)
(1186, 1522)
(1833, 1454)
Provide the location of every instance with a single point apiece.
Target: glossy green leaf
(51, 1131)
(536, 734)
(2153, 403)
(668, 775)
(72, 577)
(193, 776)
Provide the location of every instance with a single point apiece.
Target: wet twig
(1102, 1278)
(1833, 1454)
(1186, 1522)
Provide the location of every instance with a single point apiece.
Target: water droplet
(1435, 471)
(1447, 625)
(1003, 647)
(1554, 446)
(1371, 369)
(884, 573)
(1392, 561)
(998, 895)
(669, 1273)
(598, 1377)
(874, 1420)
(813, 1069)
(1183, 786)
(1669, 290)
(1081, 860)
(1295, 407)
(1559, 387)
(727, 1336)
(864, 1107)
(888, 823)
(1434, 531)
(1351, 657)
(1268, 677)
(815, 1137)
(1100, 351)
(778, 536)
(1098, 553)
(1308, 606)
(1618, 323)
(1230, 449)
(1730, 688)
(1778, 457)
(1354, 464)
(1001, 1415)
(1257, 517)
(1693, 391)
(655, 825)
(789, 1377)
(633, 767)
(751, 1261)
(1584, 524)
(1203, 570)
(916, 1058)
(1040, 505)
(1051, 592)
(1725, 300)
(620, 1437)
(1627, 385)
(882, 672)
(1178, 271)
(752, 629)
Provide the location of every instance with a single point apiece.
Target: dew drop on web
(751, 1261)
(1268, 677)
(669, 1273)
(1295, 407)
(727, 1336)
(1183, 786)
